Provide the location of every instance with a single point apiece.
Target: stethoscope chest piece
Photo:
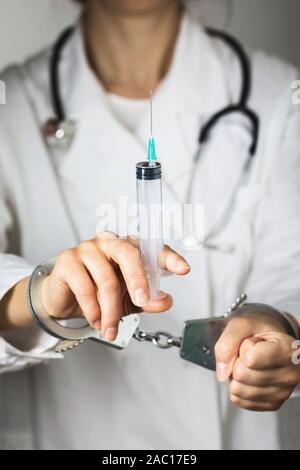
(59, 134)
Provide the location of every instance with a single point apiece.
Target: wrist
(294, 323)
(14, 310)
(268, 317)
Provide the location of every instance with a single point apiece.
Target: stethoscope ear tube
(244, 61)
(241, 106)
(56, 98)
(58, 131)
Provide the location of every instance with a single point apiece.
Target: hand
(255, 353)
(103, 279)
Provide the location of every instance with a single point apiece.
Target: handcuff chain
(165, 340)
(160, 339)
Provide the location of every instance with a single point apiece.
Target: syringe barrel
(149, 198)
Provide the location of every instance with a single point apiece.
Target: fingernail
(97, 325)
(222, 371)
(110, 334)
(182, 266)
(141, 297)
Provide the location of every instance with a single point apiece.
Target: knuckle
(93, 314)
(284, 395)
(86, 290)
(246, 405)
(292, 379)
(112, 324)
(104, 241)
(280, 382)
(86, 246)
(126, 248)
(240, 322)
(111, 319)
(250, 360)
(110, 284)
(137, 279)
(107, 235)
(66, 256)
(234, 399)
(235, 388)
(287, 380)
(240, 372)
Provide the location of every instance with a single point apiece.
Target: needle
(151, 112)
(151, 144)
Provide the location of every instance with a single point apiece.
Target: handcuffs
(196, 344)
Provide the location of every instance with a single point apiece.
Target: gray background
(273, 25)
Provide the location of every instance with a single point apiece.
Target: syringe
(149, 198)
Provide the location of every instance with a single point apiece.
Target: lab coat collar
(195, 81)
(80, 89)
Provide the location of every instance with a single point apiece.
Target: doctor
(144, 398)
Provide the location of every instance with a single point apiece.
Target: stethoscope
(59, 131)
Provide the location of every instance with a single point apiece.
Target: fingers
(270, 393)
(126, 254)
(108, 289)
(127, 257)
(266, 398)
(267, 351)
(174, 262)
(171, 261)
(284, 377)
(262, 390)
(261, 367)
(88, 276)
(227, 347)
(260, 406)
(74, 275)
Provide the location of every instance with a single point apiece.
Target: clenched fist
(255, 353)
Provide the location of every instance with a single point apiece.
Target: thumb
(227, 348)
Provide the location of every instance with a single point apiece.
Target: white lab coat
(145, 398)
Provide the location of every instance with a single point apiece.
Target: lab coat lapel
(105, 166)
(45, 191)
